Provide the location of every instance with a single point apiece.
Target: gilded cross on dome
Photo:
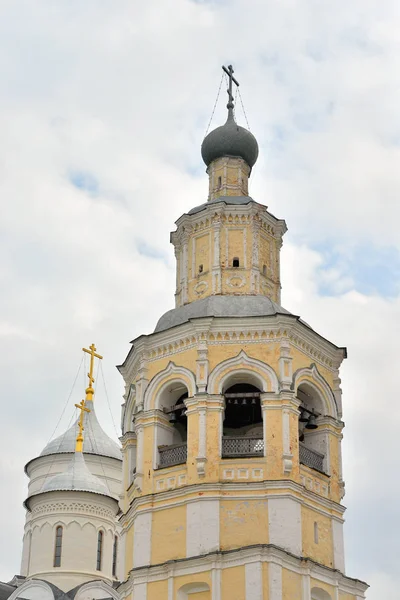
(93, 355)
(79, 439)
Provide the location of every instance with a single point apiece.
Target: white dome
(77, 477)
(96, 440)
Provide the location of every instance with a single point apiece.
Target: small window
(99, 550)
(264, 269)
(219, 182)
(235, 262)
(58, 547)
(114, 561)
(200, 268)
(315, 532)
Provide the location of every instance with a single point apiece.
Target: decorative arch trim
(159, 381)
(109, 592)
(313, 377)
(33, 584)
(242, 363)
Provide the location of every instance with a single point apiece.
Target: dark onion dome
(230, 140)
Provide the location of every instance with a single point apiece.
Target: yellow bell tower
(232, 418)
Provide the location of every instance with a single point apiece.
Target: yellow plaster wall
(187, 358)
(233, 584)
(157, 590)
(168, 534)
(343, 596)
(274, 443)
(200, 596)
(291, 585)
(265, 580)
(322, 552)
(243, 523)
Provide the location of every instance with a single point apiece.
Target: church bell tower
(232, 421)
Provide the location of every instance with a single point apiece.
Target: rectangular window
(99, 550)
(58, 547)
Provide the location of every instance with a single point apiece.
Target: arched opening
(235, 262)
(99, 558)
(115, 557)
(172, 434)
(320, 594)
(243, 423)
(58, 547)
(313, 443)
(264, 270)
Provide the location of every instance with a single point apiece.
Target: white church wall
(81, 515)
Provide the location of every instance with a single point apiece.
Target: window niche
(243, 423)
(172, 438)
(313, 440)
(58, 547)
(235, 262)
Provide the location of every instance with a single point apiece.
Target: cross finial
(229, 71)
(79, 439)
(90, 389)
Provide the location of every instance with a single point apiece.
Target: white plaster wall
(26, 550)
(140, 591)
(142, 540)
(275, 581)
(284, 520)
(338, 545)
(202, 527)
(253, 581)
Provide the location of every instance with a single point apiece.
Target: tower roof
(96, 440)
(77, 477)
(230, 140)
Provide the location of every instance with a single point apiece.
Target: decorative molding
(320, 386)
(262, 373)
(160, 380)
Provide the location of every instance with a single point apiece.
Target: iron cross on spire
(92, 352)
(229, 71)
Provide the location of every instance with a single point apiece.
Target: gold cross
(79, 439)
(92, 352)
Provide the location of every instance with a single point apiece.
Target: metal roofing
(220, 306)
(96, 440)
(230, 140)
(77, 477)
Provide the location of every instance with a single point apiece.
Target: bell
(254, 402)
(236, 401)
(303, 417)
(172, 418)
(311, 423)
(244, 402)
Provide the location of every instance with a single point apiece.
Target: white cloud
(123, 93)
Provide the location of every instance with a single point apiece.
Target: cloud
(102, 113)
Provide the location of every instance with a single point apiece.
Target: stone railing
(311, 458)
(172, 455)
(234, 447)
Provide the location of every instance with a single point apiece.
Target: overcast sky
(103, 107)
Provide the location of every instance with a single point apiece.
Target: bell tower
(232, 421)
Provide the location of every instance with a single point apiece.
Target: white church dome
(96, 440)
(76, 478)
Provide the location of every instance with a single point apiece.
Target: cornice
(228, 330)
(224, 559)
(284, 488)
